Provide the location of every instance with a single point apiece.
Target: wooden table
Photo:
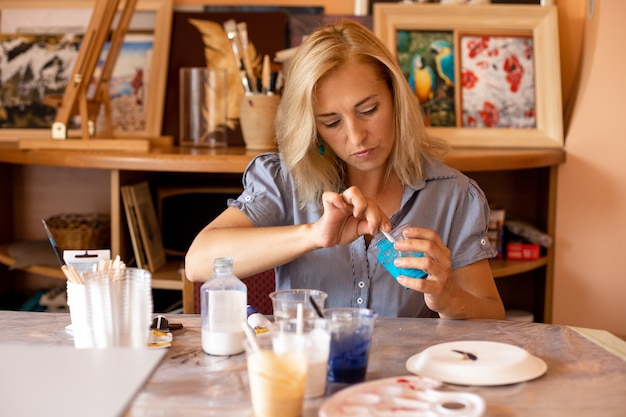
(586, 369)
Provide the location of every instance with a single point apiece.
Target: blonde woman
(354, 159)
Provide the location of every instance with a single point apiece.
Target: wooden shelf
(522, 181)
(48, 271)
(167, 277)
(234, 159)
(502, 268)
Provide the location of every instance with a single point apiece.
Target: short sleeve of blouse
(267, 192)
(469, 241)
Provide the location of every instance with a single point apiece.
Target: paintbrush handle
(265, 74)
(242, 31)
(53, 243)
(230, 27)
(242, 71)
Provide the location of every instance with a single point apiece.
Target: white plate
(405, 396)
(478, 363)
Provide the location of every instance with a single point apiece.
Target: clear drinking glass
(316, 331)
(203, 107)
(350, 340)
(277, 371)
(285, 302)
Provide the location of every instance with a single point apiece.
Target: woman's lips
(364, 153)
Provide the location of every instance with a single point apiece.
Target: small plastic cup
(285, 303)
(387, 254)
(277, 372)
(119, 307)
(77, 303)
(350, 340)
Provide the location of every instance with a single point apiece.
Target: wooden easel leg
(84, 116)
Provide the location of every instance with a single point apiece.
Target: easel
(74, 99)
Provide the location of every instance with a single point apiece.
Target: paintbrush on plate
(230, 27)
(70, 273)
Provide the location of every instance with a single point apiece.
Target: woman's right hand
(346, 217)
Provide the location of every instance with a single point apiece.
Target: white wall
(590, 267)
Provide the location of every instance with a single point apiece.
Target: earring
(320, 148)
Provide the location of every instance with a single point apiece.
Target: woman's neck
(384, 191)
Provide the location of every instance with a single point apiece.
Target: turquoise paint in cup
(387, 254)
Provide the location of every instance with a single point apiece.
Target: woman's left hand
(438, 287)
(467, 292)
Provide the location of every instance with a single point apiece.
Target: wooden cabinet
(521, 181)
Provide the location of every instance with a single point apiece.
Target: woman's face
(354, 115)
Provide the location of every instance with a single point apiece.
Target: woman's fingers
(348, 216)
(370, 216)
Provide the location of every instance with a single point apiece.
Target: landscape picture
(35, 66)
(31, 67)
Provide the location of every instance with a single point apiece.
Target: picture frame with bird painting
(484, 75)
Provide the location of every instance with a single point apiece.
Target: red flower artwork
(489, 114)
(478, 45)
(528, 50)
(497, 82)
(514, 72)
(468, 79)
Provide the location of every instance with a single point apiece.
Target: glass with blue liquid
(387, 254)
(350, 340)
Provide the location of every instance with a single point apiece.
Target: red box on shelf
(522, 251)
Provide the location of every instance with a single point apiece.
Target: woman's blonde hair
(322, 52)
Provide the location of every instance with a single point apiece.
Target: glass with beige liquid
(277, 374)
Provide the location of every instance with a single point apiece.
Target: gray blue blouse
(445, 200)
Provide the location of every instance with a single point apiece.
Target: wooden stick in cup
(71, 274)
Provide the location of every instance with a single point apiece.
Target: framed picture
(40, 41)
(485, 75)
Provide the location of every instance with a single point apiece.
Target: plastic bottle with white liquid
(223, 300)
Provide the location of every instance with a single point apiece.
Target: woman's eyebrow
(325, 114)
(365, 100)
